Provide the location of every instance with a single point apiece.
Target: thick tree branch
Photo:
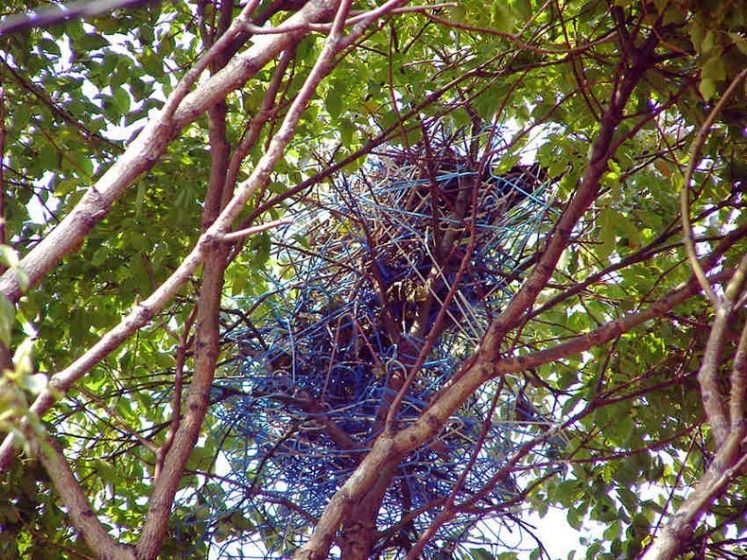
(180, 110)
(728, 433)
(5, 357)
(584, 196)
(708, 376)
(481, 367)
(710, 390)
(2, 169)
(142, 313)
(728, 429)
(739, 384)
(727, 465)
(75, 500)
(694, 159)
(206, 344)
(206, 340)
(58, 14)
(185, 341)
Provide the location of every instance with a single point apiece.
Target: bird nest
(400, 266)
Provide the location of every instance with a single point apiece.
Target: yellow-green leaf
(707, 88)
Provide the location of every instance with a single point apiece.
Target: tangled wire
(399, 268)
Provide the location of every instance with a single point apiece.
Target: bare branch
(584, 196)
(206, 340)
(2, 168)
(694, 159)
(45, 255)
(206, 344)
(58, 14)
(242, 233)
(75, 500)
(708, 374)
(739, 384)
(728, 464)
(59, 111)
(176, 407)
(389, 449)
(150, 144)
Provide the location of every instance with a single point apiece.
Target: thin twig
(242, 233)
(185, 341)
(694, 158)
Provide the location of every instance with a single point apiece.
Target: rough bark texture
(68, 235)
(150, 144)
(486, 364)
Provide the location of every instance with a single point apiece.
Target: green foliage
(70, 90)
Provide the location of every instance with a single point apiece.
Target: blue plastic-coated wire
(323, 341)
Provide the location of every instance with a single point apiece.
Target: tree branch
(694, 159)
(481, 367)
(206, 344)
(58, 14)
(78, 508)
(728, 464)
(180, 109)
(739, 384)
(585, 195)
(44, 255)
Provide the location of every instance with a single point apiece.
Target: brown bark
(727, 465)
(212, 250)
(78, 507)
(359, 532)
(96, 203)
(727, 420)
(198, 399)
(486, 364)
(206, 348)
(180, 110)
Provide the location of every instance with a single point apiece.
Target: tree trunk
(359, 531)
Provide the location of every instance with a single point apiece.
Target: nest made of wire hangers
(422, 243)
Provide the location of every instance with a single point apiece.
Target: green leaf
(593, 551)
(50, 46)
(23, 359)
(697, 33)
(139, 199)
(707, 88)
(347, 131)
(524, 7)
(714, 69)
(612, 532)
(91, 42)
(458, 13)
(121, 100)
(740, 42)
(8, 256)
(48, 157)
(481, 554)
(606, 234)
(708, 41)
(7, 319)
(502, 17)
(575, 518)
(566, 492)
(106, 471)
(334, 102)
